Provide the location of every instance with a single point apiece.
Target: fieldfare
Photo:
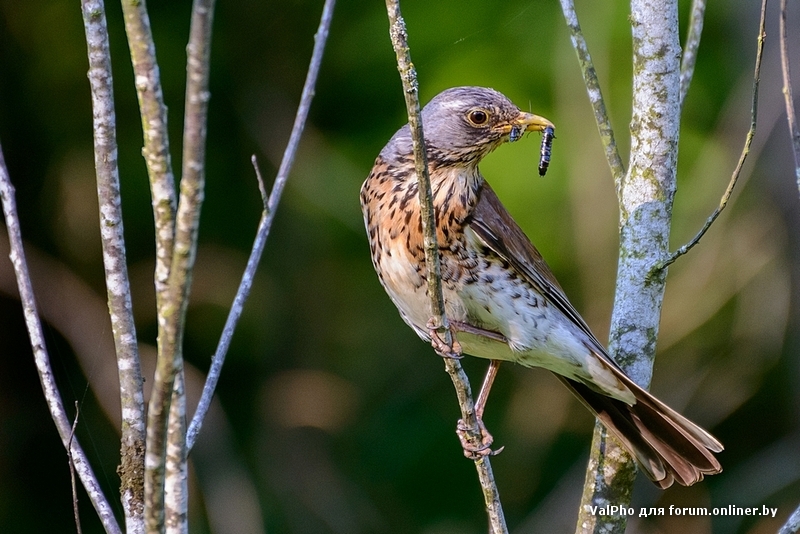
(500, 296)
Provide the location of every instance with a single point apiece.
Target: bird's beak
(525, 122)
(533, 123)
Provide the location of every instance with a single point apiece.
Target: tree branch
(162, 185)
(176, 468)
(270, 207)
(645, 210)
(408, 75)
(792, 524)
(120, 308)
(75, 509)
(751, 132)
(156, 142)
(794, 130)
(41, 358)
(171, 391)
(689, 57)
(595, 95)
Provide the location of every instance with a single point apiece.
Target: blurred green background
(331, 416)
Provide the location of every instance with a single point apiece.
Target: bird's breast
(392, 217)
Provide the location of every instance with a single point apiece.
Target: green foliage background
(331, 415)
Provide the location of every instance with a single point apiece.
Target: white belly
(538, 333)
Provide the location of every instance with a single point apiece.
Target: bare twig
(260, 179)
(320, 38)
(595, 95)
(408, 75)
(176, 487)
(75, 510)
(41, 358)
(156, 142)
(692, 44)
(168, 387)
(120, 308)
(198, 53)
(751, 132)
(792, 524)
(794, 130)
(162, 186)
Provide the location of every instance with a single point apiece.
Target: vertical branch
(168, 390)
(41, 358)
(162, 186)
(156, 142)
(792, 524)
(198, 53)
(120, 308)
(176, 488)
(172, 309)
(75, 508)
(408, 75)
(645, 210)
(689, 58)
(794, 130)
(595, 95)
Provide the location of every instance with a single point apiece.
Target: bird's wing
(668, 446)
(496, 228)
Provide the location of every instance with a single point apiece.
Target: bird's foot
(472, 449)
(442, 348)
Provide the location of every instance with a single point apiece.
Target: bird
(501, 299)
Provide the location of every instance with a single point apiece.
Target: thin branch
(751, 132)
(120, 308)
(172, 322)
(408, 75)
(689, 57)
(260, 179)
(156, 142)
(168, 388)
(75, 511)
(595, 95)
(198, 53)
(162, 185)
(792, 524)
(41, 358)
(176, 477)
(320, 38)
(794, 130)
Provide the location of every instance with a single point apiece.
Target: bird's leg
(488, 380)
(442, 348)
(484, 448)
(467, 328)
(471, 450)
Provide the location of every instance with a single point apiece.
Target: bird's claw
(472, 450)
(442, 348)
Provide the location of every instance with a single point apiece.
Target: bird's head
(464, 124)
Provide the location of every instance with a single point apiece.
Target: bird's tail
(667, 446)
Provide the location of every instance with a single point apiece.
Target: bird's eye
(478, 117)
